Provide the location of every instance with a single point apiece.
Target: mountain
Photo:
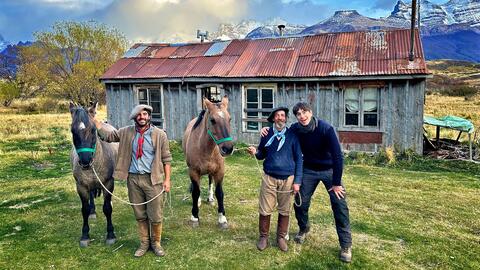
(254, 29)
(9, 59)
(3, 43)
(462, 45)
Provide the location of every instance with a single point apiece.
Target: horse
(205, 143)
(92, 160)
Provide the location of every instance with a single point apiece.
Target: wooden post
(438, 136)
(470, 145)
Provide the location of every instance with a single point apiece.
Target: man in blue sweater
(282, 173)
(322, 161)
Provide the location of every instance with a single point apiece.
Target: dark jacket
(281, 164)
(321, 149)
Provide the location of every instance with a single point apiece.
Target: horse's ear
(71, 107)
(225, 100)
(206, 102)
(92, 110)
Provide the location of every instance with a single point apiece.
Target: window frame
(361, 104)
(158, 117)
(259, 110)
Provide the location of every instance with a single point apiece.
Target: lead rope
(261, 174)
(128, 202)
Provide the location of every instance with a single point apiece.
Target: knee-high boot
(142, 226)
(264, 228)
(282, 230)
(156, 238)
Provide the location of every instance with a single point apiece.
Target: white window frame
(361, 113)
(245, 110)
(162, 113)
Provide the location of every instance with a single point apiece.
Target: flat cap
(140, 108)
(272, 114)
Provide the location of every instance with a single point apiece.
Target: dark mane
(199, 119)
(81, 115)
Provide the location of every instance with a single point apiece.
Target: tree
(8, 92)
(67, 61)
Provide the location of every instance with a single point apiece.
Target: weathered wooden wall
(400, 109)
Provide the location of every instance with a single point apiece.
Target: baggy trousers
(310, 181)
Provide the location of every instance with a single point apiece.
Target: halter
(88, 149)
(217, 142)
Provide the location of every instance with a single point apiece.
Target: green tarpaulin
(450, 121)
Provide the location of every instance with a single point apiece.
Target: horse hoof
(92, 216)
(211, 202)
(84, 243)
(110, 242)
(194, 221)
(223, 226)
(194, 224)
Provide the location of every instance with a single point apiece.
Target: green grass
(415, 214)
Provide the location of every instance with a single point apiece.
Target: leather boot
(142, 226)
(264, 228)
(156, 238)
(282, 230)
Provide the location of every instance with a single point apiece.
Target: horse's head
(219, 125)
(84, 133)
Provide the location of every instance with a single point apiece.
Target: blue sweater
(321, 149)
(281, 164)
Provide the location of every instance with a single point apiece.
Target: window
(152, 96)
(361, 107)
(258, 105)
(212, 93)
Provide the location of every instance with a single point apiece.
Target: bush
(460, 90)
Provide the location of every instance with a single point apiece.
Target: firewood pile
(449, 149)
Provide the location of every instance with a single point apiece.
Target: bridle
(87, 149)
(217, 141)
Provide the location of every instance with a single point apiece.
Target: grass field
(415, 214)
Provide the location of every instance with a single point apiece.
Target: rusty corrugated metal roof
(332, 54)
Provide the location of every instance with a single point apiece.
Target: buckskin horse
(205, 142)
(92, 160)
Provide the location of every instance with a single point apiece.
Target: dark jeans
(310, 181)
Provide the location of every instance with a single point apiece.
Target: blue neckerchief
(278, 134)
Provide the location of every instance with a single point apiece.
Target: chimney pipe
(280, 29)
(411, 55)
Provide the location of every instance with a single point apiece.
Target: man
(282, 172)
(322, 161)
(144, 160)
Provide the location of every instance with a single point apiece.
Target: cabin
(363, 83)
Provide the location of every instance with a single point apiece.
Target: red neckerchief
(141, 131)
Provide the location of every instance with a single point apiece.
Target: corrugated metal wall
(401, 109)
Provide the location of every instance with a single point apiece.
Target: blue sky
(170, 20)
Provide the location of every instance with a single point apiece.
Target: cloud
(171, 21)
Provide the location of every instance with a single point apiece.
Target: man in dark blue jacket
(282, 173)
(323, 161)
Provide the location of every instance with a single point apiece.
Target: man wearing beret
(144, 161)
(282, 176)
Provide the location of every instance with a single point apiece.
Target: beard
(280, 125)
(144, 124)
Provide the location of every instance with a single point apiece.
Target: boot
(264, 228)
(282, 230)
(346, 254)
(156, 238)
(142, 226)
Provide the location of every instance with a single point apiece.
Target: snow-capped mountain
(253, 29)
(3, 43)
